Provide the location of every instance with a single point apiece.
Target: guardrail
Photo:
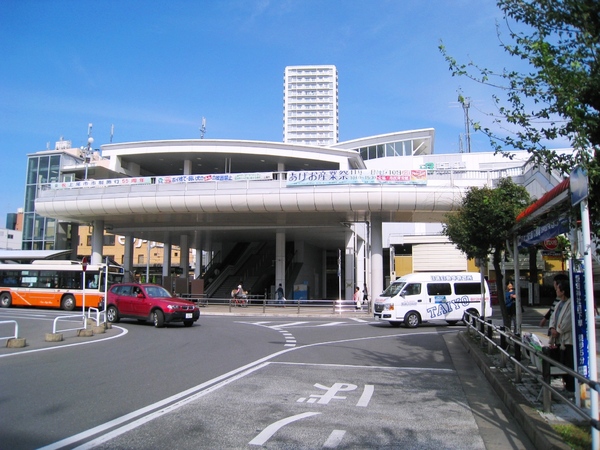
(97, 312)
(16, 333)
(487, 333)
(57, 319)
(262, 304)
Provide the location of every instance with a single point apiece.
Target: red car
(149, 302)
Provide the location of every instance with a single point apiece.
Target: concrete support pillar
(198, 247)
(74, 240)
(128, 258)
(97, 241)
(187, 166)
(376, 286)
(184, 258)
(280, 261)
(349, 268)
(166, 269)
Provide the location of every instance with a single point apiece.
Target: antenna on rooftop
(203, 128)
(466, 104)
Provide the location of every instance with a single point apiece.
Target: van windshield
(393, 289)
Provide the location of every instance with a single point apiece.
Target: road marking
(334, 439)
(268, 432)
(330, 324)
(169, 404)
(359, 320)
(95, 341)
(365, 398)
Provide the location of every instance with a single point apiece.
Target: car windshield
(393, 289)
(157, 291)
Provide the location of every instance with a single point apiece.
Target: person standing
(557, 278)
(561, 329)
(280, 295)
(365, 295)
(510, 300)
(357, 300)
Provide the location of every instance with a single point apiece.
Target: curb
(541, 434)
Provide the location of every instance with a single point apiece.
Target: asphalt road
(243, 382)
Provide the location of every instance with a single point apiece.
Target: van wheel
(68, 303)
(412, 320)
(5, 300)
(395, 324)
(452, 322)
(466, 317)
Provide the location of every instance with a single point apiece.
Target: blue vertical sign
(582, 353)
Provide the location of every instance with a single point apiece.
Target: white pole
(590, 314)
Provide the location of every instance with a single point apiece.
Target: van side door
(439, 295)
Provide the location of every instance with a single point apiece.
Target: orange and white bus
(56, 284)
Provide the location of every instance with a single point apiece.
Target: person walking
(280, 295)
(357, 299)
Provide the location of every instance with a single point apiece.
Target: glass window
(389, 149)
(43, 170)
(50, 229)
(30, 193)
(38, 227)
(467, 288)
(108, 240)
(32, 171)
(380, 151)
(372, 154)
(54, 168)
(408, 148)
(439, 289)
(412, 289)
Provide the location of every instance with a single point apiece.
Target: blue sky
(154, 68)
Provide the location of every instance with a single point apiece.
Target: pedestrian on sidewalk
(357, 299)
(561, 331)
(280, 295)
(510, 300)
(557, 278)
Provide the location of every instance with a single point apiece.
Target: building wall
(310, 105)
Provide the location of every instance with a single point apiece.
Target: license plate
(189, 315)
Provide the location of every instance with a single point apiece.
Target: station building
(319, 219)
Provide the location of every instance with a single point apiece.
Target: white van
(420, 297)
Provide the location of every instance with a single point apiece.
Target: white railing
(66, 318)
(15, 334)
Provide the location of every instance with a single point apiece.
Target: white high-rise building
(310, 105)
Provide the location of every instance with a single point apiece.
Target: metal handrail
(16, 334)
(82, 316)
(486, 330)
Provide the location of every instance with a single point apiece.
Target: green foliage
(483, 224)
(485, 218)
(559, 98)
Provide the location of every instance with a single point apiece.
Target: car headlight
(171, 307)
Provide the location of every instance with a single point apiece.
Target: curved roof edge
(331, 150)
(424, 133)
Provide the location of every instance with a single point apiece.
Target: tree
(559, 98)
(483, 223)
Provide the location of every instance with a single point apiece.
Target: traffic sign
(551, 244)
(84, 263)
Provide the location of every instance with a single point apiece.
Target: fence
(538, 364)
(15, 335)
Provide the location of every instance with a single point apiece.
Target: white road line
(56, 347)
(268, 432)
(365, 398)
(334, 439)
(330, 324)
(171, 403)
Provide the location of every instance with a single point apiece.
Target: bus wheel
(5, 300)
(112, 314)
(411, 320)
(68, 303)
(158, 318)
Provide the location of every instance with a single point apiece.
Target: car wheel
(112, 314)
(158, 318)
(5, 300)
(68, 303)
(395, 324)
(411, 320)
(188, 323)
